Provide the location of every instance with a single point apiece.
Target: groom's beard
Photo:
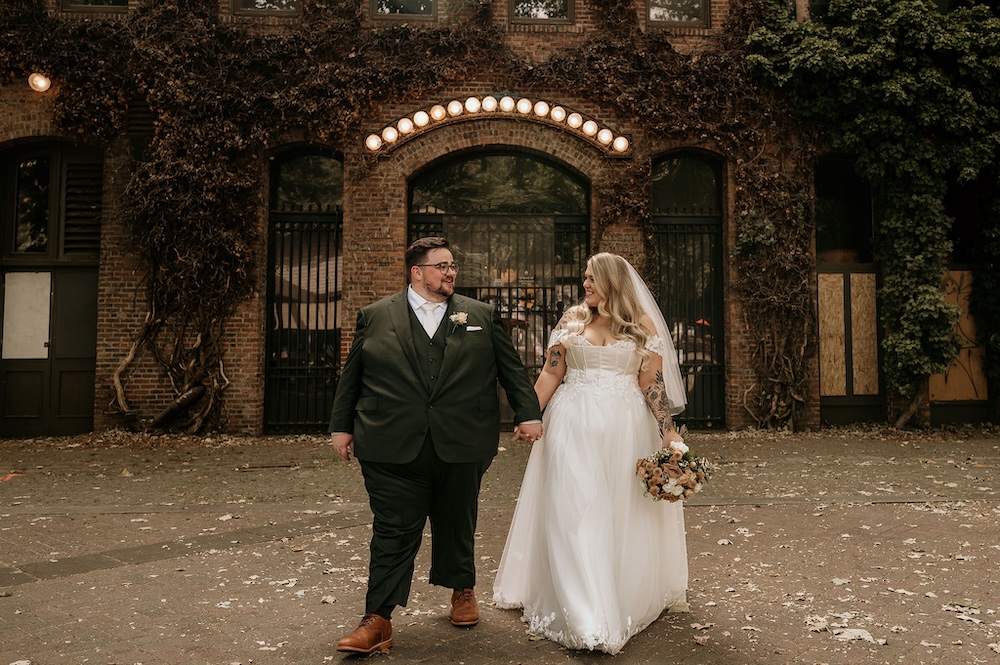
(445, 290)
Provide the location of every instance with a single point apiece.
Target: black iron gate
(303, 332)
(530, 265)
(688, 277)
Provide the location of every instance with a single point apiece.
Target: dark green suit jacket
(385, 400)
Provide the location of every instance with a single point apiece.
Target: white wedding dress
(591, 559)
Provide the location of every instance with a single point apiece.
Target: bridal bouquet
(673, 473)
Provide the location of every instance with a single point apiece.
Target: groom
(417, 404)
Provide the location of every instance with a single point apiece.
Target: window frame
(518, 20)
(80, 6)
(704, 22)
(62, 159)
(283, 13)
(424, 18)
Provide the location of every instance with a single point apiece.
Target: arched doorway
(51, 221)
(303, 296)
(518, 224)
(687, 224)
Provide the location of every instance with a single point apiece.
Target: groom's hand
(343, 444)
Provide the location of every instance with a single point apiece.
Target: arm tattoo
(554, 357)
(656, 399)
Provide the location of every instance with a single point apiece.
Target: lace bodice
(614, 367)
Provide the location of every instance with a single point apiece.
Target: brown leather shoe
(373, 634)
(464, 608)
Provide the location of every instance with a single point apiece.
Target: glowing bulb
(507, 104)
(620, 144)
(39, 82)
(490, 104)
(472, 105)
(373, 142)
(438, 112)
(420, 118)
(605, 136)
(590, 128)
(454, 107)
(389, 134)
(405, 126)
(558, 113)
(541, 109)
(524, 105)
(574, 120)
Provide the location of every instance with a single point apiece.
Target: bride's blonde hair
(619, 302)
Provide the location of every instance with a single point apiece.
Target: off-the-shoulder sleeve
(656, 344)
(557, 336)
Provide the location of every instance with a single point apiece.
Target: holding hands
(529, 432)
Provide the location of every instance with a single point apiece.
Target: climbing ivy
(221, 93)
(913, 94)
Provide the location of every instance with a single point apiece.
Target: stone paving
(836, 547)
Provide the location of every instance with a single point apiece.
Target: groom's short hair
(418, 250)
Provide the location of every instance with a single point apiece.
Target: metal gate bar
(303, 335)
(688, 277)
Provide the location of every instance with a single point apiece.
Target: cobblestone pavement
(837, 547)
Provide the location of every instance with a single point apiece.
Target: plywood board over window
(964, 380)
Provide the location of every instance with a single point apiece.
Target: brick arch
(569, 151)
(376, 201)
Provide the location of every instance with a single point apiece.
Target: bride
(589, 559)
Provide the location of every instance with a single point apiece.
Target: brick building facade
(377, 214)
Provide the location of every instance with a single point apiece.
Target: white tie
(429, 321)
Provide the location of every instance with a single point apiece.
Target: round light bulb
(389, 134)
(420, 118)
(590, 128)
(620, 144)
(605, 136)
(558, 113)
(524, 105)
(541, 109)
(373, 142)
(405, 125)
(472, 105)
(490, 104)
(574, 120)
(455, 107)
(507, 104)
(39, 82)
(438, 112)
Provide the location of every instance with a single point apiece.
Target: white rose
(679, 445)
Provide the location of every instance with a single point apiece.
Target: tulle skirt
(591, 559)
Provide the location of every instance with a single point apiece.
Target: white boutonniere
(459, 318)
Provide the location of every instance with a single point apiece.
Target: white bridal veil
(672, 380)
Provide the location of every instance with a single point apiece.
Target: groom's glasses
(443, 267)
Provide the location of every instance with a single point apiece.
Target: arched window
(518, 224)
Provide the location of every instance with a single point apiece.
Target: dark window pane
(404, 7)
(685, 186)
(968, 205)
(31, 230)
(541, 9)
(500, 183)
(309, 183)
(677, 11)
(843, 213)
(268, 5)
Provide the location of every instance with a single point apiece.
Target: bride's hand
(674, 440)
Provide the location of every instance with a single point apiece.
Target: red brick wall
(375, 216)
